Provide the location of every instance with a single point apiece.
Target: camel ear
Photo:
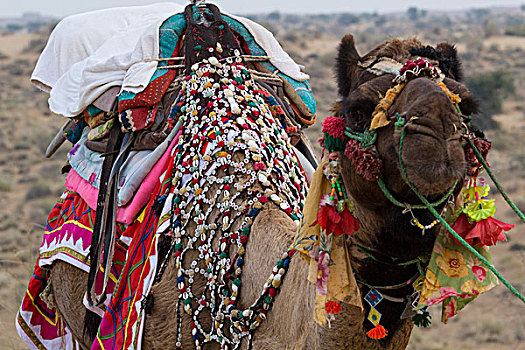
(346, 65)
(450, 63)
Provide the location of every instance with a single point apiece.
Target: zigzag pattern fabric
(67, 237)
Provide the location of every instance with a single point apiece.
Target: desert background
(491, 43)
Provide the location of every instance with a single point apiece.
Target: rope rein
(389, 195)
(447, 226)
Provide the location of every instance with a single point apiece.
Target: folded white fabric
(88, 53)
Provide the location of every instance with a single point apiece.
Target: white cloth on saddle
(88, 53)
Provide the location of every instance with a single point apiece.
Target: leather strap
(103, 215)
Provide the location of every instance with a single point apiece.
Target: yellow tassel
(379, 117)
(453, 97)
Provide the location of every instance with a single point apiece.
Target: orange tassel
(379, 332)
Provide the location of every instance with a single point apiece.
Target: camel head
(404, 110)
(432, 153)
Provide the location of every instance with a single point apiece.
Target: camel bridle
(366, 139)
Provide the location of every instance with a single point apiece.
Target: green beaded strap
(390, 197)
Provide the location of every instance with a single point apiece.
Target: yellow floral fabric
(455, 276)
(452, 263)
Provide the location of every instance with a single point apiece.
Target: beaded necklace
(233, 157)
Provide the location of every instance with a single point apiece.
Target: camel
(434, 160)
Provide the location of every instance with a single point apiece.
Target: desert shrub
(492, 327)
(5, 185)
(38, 190)
(36, 45)
(515, 30)
(274, 16)
(14, 27)
(478, 15)
(490, 89)
(35, 26)
(291, 36)
(501, 142)
(18, 67)
(346, 19)
(412, 13)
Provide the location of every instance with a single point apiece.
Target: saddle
(137, 127)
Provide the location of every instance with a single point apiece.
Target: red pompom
(332, 307)
(365, 160)
(334, 126)
(337, 223)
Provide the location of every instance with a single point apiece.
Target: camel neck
(392, 240)
(390, 232)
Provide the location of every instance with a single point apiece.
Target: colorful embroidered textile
(38, 324)
(455, 277)
(122, 324)
(137, 110)
(335, 281)
(94, 120)
(100, 131)
(67, 238)
(68, 232)
(87, 163)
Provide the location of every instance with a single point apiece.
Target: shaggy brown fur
(434, 160)
(69, 285)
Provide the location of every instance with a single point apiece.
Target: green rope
(449, 229)
(493, 177)
(366, 139)
(400, 122)
(389, 195)
(353, 135)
